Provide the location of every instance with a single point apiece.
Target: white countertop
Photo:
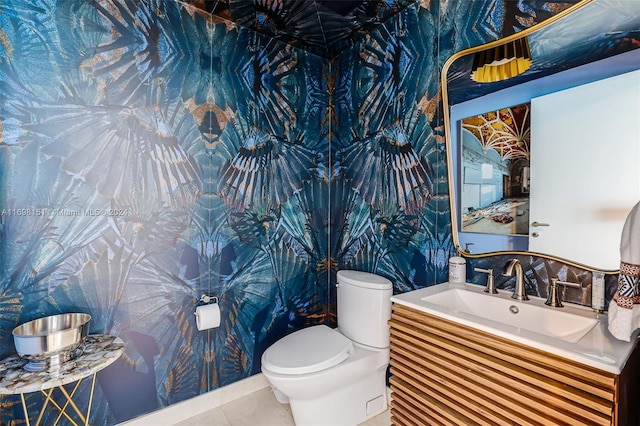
(598, 348)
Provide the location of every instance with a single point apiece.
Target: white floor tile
(383, 419)
(259, 409)
(214, 417)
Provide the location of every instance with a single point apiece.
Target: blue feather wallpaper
(389, 153)
(152, 151)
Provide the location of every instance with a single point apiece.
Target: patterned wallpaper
(323, 27)
(151, 152)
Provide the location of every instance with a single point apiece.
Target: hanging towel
(624, 309)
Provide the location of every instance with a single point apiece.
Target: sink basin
(538, 319)
(49, 342)
(573, 332)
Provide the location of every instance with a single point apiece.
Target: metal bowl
(48, 337)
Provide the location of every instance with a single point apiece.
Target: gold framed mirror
(464, 98)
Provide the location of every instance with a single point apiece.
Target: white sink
(552, 322)
(574, 332)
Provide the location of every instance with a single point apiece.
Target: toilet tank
(364, 307)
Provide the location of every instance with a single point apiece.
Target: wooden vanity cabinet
(444, 373)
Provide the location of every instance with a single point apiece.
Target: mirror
(495, 152)
(570, 122)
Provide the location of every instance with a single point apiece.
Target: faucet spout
(519, 291)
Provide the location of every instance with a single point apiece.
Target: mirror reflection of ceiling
(587, 35)
(507, 131)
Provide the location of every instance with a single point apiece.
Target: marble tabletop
(97, 352)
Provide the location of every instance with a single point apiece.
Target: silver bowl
(51, 341)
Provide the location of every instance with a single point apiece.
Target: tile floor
(259, 409)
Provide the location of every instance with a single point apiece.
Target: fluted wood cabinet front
(444, 373)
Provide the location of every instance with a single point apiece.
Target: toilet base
(280, 397)
(348, 406)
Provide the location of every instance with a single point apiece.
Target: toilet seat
(307, 351)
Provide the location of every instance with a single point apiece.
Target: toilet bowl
(336, 377)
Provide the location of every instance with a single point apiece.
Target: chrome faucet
(519, 292)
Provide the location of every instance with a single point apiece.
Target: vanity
(461, 356)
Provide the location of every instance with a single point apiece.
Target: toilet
(337, 377)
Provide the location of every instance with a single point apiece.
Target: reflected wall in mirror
(494, 188)
(594, 139)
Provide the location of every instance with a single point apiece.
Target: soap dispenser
(597, 291)
(457, 270)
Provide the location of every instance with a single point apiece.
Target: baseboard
(183, 410)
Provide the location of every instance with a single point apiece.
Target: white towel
(624, 309)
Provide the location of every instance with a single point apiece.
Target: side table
(98, 351)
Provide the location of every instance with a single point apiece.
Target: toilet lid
(307, 351)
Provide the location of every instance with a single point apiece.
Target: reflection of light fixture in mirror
(501, 62)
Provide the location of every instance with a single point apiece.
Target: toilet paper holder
(207, 313)
(208, 299)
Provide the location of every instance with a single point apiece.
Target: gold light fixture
(502, 62)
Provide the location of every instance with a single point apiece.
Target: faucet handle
(553, 299)
(491, 284)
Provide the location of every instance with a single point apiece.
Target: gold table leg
(24, 407)
(62, 409)
(93, 386)
(44, 404)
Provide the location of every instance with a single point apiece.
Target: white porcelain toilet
(337, 377)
